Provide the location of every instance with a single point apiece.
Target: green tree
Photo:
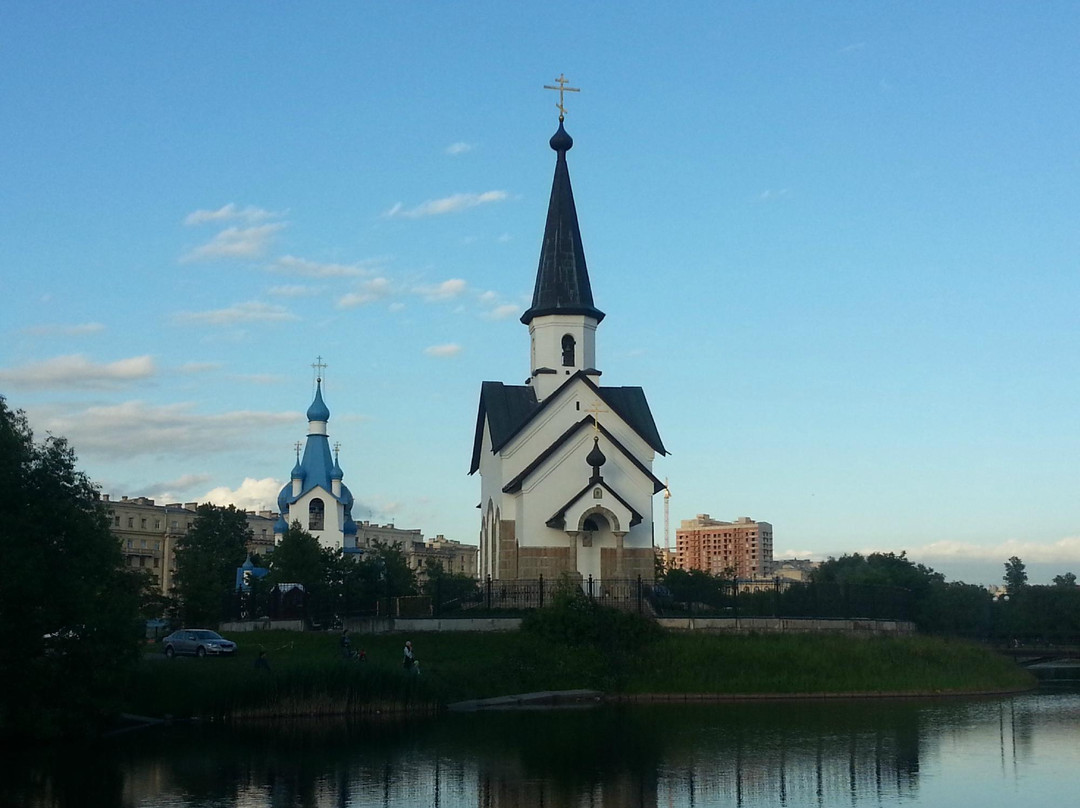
(1068, 579)
(68, 608)
(447, 590)
(206, 561)
(300, 559)
(1015, 577)
(391, 567)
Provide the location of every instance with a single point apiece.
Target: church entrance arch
(596, 529)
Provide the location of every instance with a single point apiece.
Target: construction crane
(667, 518)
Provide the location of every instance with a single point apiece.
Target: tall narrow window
(568, 351)
(315, 514)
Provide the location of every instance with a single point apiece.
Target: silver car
(197, 641)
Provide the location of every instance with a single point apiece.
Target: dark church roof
(562, 279)
(509, 408)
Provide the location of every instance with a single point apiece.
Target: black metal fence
(494, 598)
(781, 598)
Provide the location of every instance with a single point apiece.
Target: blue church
(315, 495)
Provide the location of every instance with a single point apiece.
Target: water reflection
(753, 754)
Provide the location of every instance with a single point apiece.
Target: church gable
(515, 485)
(596, 497)
(508, 410)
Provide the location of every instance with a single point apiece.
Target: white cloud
(260, 378)
(504, 312)
(252, 495)
(1063, 550)
(135, 428)
(64, 330)
(293, 290)
(458, 148)
(174, 490)
(367, 292)
(230, 213)
(250, 312)
(200, 367)
(397, 306)
(504, 238)
(76, 371)
(302, 267)
(443, 351)
(448, 204)
(769, 193)
(488, 297)
(447, 290)
(235, 242)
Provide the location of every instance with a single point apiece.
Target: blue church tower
(315, 495)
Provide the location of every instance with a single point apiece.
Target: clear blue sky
(837, 244)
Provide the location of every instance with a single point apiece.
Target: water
(1022, 750)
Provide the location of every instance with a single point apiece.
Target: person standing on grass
(346, 644)
(262, 663)
(408, 660)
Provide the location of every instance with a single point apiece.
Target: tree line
(1025, 613)
(335, 584)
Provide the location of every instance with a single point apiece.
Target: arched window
(568, 351)
(315, 514)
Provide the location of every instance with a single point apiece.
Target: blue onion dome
(350, 526)
(318, 411)
(247, 565)
(596, 458)
(561, 141)
(336, 473)
(297, 471)
(346, 497)
(281, 526)
(283, 498)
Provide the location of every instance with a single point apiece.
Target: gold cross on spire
(319, 366)
(562, 81)
(595, 412)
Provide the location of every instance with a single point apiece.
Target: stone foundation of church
(551, 562)
(635, 561)
(508, 550)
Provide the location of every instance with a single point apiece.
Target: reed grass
(309, 677)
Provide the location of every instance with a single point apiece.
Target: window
(142, 523)
(131, 521)
(315, 514)
(116, 521)
(155, 563)
(144, 544)
(157, 524)
(174, 524)
(568, 351)
(142, 561)
(130, 544)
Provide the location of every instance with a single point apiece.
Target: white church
(565, 463)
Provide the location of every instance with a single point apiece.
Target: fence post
(590, 587)
(639, 595)
(735, 597)
(436, 606)
(489, 593)
(541, 591)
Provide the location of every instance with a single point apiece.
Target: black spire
(562, 280)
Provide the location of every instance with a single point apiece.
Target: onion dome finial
(596, 457)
